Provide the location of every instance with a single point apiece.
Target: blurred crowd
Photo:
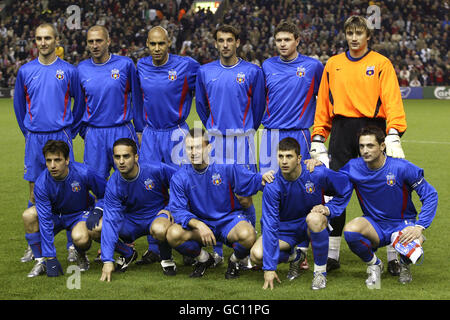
(413, 34)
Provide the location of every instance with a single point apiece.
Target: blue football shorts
(34, 162)
(98, 146)
(164, 145)
(136, 226)
(268, 158)
(385, 229)
(68, 221)
(221, 228)
(292, 232)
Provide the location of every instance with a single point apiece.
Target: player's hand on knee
(54, 268)
(394, 146)
(206, 235)
(269, 277)
(94, 217)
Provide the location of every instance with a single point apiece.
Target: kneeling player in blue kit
(383, 186)
(294, 210)
(63, 201)
(136, 199)
(206, 209)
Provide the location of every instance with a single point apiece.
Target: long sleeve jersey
(42, 97)
(291, 90)
(110, 91)
(167, 90)
(66, 196)
(385, 194)
(366, 87)
(289, 201)
(230, 97)
(210, 194)
(139, 199)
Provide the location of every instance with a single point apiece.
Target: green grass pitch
(426, 143)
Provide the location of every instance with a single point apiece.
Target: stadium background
(413, 34)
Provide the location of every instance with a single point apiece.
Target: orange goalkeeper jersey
(359, 88)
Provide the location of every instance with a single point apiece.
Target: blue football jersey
(284, 201)
(167, 90)
(385, 194)
(210, 194)
(230, 97)
(43, 97)
(66, 196)
(140, 199)
(291, 90)
(110, 91)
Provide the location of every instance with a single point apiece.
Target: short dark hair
(126, 142)
(198, 132)
(286, 26)
(288, 144)
(372, 130)
(56, 146)
(227, 29)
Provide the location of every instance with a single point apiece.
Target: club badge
(390, 179)
(75, 186)
(370, 70)
(59, 74)
(309, 187)
(149, 184)
(216, 179)
(115, 74)
(300, 72)
(240, 78)
(172, 75)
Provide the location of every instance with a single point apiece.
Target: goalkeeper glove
(54, 268)
(394, 146)
(94, 218)
(319, 151)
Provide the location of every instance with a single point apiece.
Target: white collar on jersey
(230, 67)
(48, 64)
(102, 64)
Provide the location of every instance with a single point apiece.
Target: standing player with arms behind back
(358, 88)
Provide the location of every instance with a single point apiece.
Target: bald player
(167, 82)
(110, 91)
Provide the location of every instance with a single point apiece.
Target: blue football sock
(359, 245)
(240, 252)
(283, 256)
(218, 248)
(189, 248)
(153, 245)
(319, 244)
(34, 241)
(30, 204)
(123, 249)
(69, 239)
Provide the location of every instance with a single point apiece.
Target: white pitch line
(426, 142)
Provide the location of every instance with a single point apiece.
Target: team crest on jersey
(59, 74)
(240, 78)
(370, 70)
(115, 74)
(300, 72)
(216, 179)
(172, 75)
(75, 186)
(390, 179)
(149, 184)
(309, 187)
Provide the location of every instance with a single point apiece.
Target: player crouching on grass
(136, 199)
(205, 207)
(384, 185)
(63, 201)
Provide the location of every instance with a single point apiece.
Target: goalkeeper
(359, 87)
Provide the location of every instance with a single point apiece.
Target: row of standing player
(171, 79)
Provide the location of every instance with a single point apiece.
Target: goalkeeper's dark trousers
(343, 146)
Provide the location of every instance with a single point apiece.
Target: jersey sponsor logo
(390, 179)
(75, 186)
(240, 78)
(300, 72)
(370, 70)
(310, 187)
(59, 74)
(115, 74)
(172, 75)
(216, 179)
(149, 184)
